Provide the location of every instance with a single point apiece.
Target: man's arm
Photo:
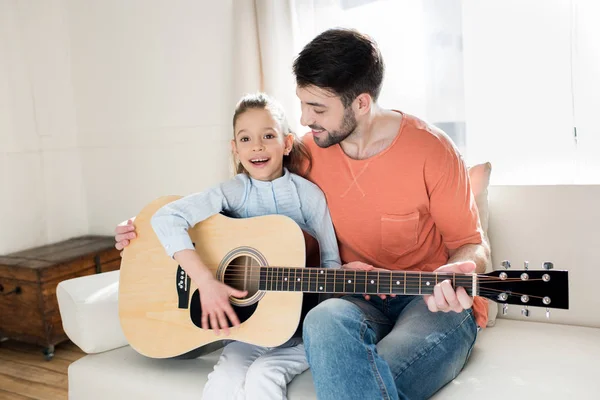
(478, 253)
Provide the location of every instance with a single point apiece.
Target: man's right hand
(124, 233)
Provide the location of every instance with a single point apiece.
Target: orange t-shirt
(403, 208)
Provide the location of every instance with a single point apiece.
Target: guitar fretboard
(322, 280)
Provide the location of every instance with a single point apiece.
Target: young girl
(269, 157)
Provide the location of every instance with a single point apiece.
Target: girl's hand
(214, 298)
(124, 233)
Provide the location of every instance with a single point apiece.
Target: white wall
(105, 105)
(154, 100)
(42, 195)
(560, 224)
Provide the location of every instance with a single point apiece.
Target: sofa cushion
(90, 312)
(515, 360)
(479, 175)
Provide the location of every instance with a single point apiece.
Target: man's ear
(363, 103)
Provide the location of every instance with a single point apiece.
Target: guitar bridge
(183, 281)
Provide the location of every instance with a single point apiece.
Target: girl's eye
(244, 139)
(269, 136)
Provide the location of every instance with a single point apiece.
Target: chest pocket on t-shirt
(399, 233)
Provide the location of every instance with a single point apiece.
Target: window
(507, 80)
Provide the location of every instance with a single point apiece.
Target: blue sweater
(243, 197)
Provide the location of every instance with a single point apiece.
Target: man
(400, 199)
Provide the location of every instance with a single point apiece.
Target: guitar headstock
(537, 288)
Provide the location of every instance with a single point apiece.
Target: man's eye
(319, 112)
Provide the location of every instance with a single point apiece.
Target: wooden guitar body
(159, 305)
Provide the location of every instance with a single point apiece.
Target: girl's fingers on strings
(223, 322)
(214, 324)
(204, 321)
(232, 316)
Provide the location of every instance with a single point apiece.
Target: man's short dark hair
(342, 61)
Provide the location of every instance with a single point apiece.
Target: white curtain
(420, 40)
(264, 52)
(507, 80)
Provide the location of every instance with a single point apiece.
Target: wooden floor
(26, 375)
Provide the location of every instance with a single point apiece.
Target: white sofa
(518, 358)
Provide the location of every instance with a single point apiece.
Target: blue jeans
(385, 349)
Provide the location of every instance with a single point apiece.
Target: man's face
(325, 115)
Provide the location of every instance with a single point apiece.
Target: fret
(312, 280)
(266, 286)
(339, 281)
(385, 282)
(329, 281)
(304, 280)
(454, 280)
(270, 278)
(428, 284)
(360, 281)
(345, 279)
(412, 283)
(321, 280)
(397, 282)
(295, 289)
(277, 273)
(372, 282)
(261, 279)
(286, 279)
(354, 281)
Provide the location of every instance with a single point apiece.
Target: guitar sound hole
(243, 273)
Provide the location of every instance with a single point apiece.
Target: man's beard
(334, 137)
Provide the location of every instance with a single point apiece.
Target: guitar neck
(322, 280)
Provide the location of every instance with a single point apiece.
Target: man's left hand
(445, 298)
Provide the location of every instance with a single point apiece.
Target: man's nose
(305, 120)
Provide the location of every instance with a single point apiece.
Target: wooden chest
(28, 279)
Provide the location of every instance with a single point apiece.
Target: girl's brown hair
(299, 160)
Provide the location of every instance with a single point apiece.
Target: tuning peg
(504, 309)
(526, 265)
(547, 313)
(547, 265)
(506, 264)
(525, 311)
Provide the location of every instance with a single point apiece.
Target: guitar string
(411, 274)
(314, 270)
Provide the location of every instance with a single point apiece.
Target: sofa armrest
(90, 312)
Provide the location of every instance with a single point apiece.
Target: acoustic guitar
(160, 309)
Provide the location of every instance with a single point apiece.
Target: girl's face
(260, 145)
